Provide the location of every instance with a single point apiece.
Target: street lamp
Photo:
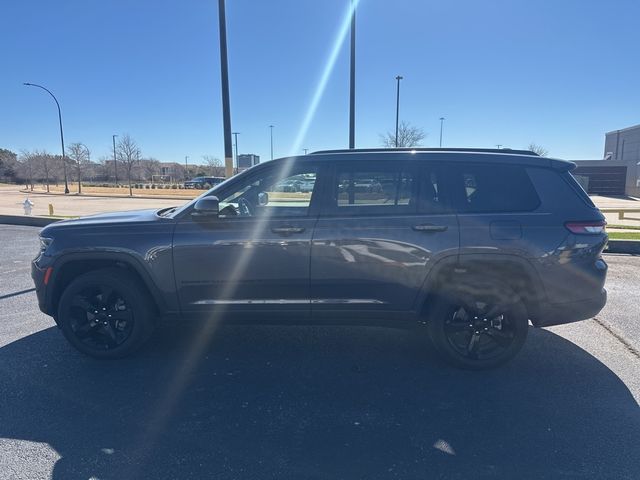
(271, 129)
(64, 161)
(442, 119)
(235, 136)
(398, 78)
(499, 145)
(352, 80)
(115, 164)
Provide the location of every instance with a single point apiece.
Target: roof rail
(419, 149)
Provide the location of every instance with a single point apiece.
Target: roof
(449, 155)
(634, 127)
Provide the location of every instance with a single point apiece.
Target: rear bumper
(560, 313)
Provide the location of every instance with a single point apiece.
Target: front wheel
(105, 314)
(478, 331)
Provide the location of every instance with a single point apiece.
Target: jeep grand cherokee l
(467, 245)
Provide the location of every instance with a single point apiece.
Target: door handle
(287, 230)
(427, 227)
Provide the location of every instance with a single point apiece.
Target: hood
(102, 219)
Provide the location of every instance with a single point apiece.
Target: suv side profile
(467, 245)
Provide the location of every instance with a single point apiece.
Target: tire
(106, 314)
(478, 329)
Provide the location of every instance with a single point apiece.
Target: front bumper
(560, 313)
(37, 274)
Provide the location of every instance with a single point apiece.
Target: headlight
(44, 243)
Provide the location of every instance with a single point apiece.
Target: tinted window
(274, 192)
(431, 198)
(495, 188)
(370, 189)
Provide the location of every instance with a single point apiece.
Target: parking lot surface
(315, 402)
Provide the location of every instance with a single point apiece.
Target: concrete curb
(27, 221)
(96, 195)
(631, 247)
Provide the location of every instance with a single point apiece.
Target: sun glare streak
(179, 381)
(324, 78)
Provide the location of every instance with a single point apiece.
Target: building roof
(634, 127)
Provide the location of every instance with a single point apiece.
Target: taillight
(586, 228)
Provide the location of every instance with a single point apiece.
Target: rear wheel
(480, 330)
(105, 314)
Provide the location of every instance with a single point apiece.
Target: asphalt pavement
(315, 402)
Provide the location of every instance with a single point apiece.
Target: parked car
(203, 183)
(465, 245)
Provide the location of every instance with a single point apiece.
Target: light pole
(224, 74)
(64, 160)
(235, 136)
(305, 150)
(499, 145)
(352, 80)
(398, 78)
(186, 167)
(271, 129)
(441, 124)
(115, 164)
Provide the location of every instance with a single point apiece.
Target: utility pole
(186, 167)
(305, 150)
(499, 146)
(115, 165)
(64, 159)
(271, 129)
(352, 80)
(442, 119)
(224, 73)
(398, 78)
(235, 136)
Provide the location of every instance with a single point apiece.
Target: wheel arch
(478, 270)
(68, 267)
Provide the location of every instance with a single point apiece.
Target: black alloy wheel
(106, 313)
(100, 318)
(479, 332)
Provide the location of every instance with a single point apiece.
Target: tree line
(39, 167)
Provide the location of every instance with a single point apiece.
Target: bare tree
(149, 167)
(540, 150)
(42, 166)
(214, 164)
(26, 167)
(128, 154)
(408, 136)
(79, 157)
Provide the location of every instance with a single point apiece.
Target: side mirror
(263, 199)
(207, 207)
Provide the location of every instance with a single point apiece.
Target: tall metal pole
(398, 78)
(186, 167)
(115, 164)
(271, 128)
(64, 160)
(352, 81)
(226, 109)
(441, 123)
(305, 150)
(235, 136)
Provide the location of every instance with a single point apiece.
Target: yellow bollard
(51, 209)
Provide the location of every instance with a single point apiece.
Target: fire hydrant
(27, 205)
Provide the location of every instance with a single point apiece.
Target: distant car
(203, 183)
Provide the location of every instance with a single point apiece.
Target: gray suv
(468, 246)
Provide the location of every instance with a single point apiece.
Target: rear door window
(489, 188)
(385, 188)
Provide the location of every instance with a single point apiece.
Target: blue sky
(560, 73)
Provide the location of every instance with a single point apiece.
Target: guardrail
(620, 211)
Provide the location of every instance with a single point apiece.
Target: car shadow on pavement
(317, 402)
